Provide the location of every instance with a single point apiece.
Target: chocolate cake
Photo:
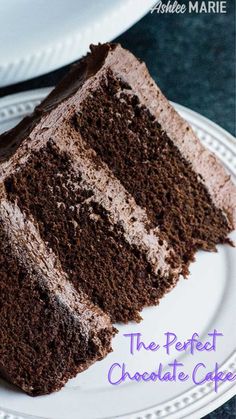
(106, 194)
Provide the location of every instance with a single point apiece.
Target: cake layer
(48, 331)
(205, 164)
(151, 167)
(101, 237)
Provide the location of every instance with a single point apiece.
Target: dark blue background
(192, 58)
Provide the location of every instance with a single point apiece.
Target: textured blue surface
(192, 58)
(227, 411)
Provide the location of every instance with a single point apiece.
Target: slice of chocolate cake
(106, 195)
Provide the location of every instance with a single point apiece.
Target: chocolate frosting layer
(80, 72)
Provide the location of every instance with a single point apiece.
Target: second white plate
(56, 32)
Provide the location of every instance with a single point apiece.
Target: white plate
(39, 36)
(200, 304)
